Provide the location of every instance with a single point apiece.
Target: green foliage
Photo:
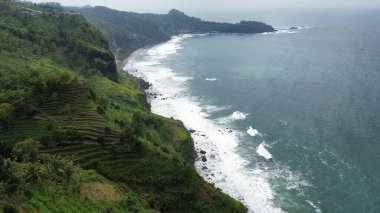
(9, 208)
(26, 151)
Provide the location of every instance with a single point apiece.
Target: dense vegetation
(128, 31)
(76, 135)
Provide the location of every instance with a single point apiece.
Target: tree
(26, 151)
(6, 111)
(62, 168)
(68, 168)
(35, 172)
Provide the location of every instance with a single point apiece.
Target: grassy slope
(59, 75)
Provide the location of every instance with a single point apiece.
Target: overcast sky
(162, 6)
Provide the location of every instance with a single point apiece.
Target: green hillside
(76, 135)
(128, 31)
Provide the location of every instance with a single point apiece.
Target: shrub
(121, 123)
(114, 148)
(50, 126)
(165, 149)
(101, 110)
(5, 150)
(107, 130)
(92, 94)
(68, 109)
(101, 140)
(137, 146)
(128, 134)
(54, 96)
(6, 111)
(44, 139)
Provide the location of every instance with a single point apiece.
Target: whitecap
(252, 132)
(210, 79)
(239, 115)
(303, 27)
(262, 151)
(283, 123)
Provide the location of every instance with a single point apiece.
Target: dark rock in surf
(144, 85)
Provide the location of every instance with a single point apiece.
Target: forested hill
(77, 135)
(128, 31)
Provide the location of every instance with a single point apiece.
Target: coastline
(216, 163)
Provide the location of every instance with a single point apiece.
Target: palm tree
(35, 172)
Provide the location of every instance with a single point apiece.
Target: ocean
(286, 121)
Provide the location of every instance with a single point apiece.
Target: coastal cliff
(77, 135)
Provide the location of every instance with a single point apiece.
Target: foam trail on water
(219, 163)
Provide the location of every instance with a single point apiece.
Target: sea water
(287, 121)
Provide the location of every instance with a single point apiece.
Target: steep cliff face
(76, 135)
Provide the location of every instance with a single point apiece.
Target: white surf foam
(280, 31)
(211, 108)
(303, 27)
(262, 151)
(239, 115)
(210, 79)
(252, 132)
(220, 164)
(316, 208)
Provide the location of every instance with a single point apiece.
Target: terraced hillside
(76, 135)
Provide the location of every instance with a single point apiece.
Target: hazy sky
(162, 6)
